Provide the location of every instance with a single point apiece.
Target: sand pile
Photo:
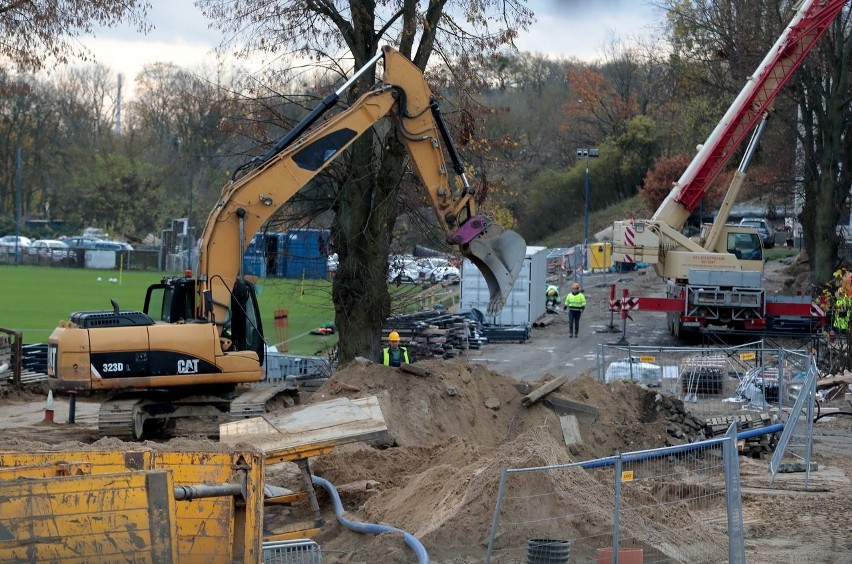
(451, 434)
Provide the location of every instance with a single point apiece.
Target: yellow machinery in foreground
(142, 505)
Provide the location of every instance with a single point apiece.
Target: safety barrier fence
(297, 551)
(713, 382)
(795, 445)
(675, 504)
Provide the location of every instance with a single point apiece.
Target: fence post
(733, 498)
(503, 473)
(617, 510)
(782, 360)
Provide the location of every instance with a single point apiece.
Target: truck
(714, 279)
(200, 336)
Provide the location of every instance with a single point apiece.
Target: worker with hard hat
(393, 354)
(575, 303)
(552, 296)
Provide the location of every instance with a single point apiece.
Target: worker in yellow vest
(552, 296)
(393, 354)
(575, 303)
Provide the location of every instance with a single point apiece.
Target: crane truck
(200, 336)
(714, 280)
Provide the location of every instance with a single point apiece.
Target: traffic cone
(48, 408)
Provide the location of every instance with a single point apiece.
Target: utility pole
(586, 154)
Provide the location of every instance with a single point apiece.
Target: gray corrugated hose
(372, 528)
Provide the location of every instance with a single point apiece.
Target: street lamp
(586, 154)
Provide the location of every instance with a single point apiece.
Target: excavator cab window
(171, 301)
(246, 329)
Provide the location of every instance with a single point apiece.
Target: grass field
(33, 300)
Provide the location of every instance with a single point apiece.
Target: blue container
(254, 265)
(268, 249)
(307, 253)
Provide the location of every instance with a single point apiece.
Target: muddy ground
(450, 432)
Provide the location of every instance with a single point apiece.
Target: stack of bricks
(754, 447)
(434, 334)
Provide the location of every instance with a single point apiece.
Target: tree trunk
(362, 231)
(825, 133)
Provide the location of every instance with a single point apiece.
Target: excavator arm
(403, 96)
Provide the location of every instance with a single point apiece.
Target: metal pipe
(188, 493)
(656, 453)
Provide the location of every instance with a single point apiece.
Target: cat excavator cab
(200, 336)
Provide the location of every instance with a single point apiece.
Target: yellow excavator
(200, 336)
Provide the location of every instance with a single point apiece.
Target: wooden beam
(542, 391)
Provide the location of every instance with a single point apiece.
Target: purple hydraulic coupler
(471, 229)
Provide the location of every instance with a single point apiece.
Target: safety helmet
(394, 336)
(575, 286)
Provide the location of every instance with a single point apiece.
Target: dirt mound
(462, 400)
(453, 431)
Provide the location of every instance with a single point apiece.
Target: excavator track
(253, 402)
(121, 418)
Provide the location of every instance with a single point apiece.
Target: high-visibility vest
(841, 313)
(575, 301)
(403, 357)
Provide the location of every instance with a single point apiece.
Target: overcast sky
(564, 28)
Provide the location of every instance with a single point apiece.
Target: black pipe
(72, 405)
(458, 166)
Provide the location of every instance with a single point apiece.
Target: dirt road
(550, 351)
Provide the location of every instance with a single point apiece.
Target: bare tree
(35, 32)
(366, 203)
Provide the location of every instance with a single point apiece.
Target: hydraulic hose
(372, 528)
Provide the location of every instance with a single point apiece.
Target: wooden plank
(834, 380)
(570, 430)
(329, 423)
(542, 391)
(564, 406)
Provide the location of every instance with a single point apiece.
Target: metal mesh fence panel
(711, 381)
(795, 445)
(297, 551)
(676, 504)
(550, 506)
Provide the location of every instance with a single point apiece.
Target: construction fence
(712, 382)
(675, 504)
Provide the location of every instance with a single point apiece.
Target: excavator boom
(403, 96)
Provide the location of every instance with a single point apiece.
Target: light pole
(586, 154)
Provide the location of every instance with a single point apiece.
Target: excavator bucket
(498, 253)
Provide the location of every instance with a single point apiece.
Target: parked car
(9, 242)
(436, 269)
(633, 369)
(445, 272)
(402, 269)
(112, 246)
(56, 250)
(764, 229)
(81, 242)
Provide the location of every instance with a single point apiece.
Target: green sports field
(34, 299)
